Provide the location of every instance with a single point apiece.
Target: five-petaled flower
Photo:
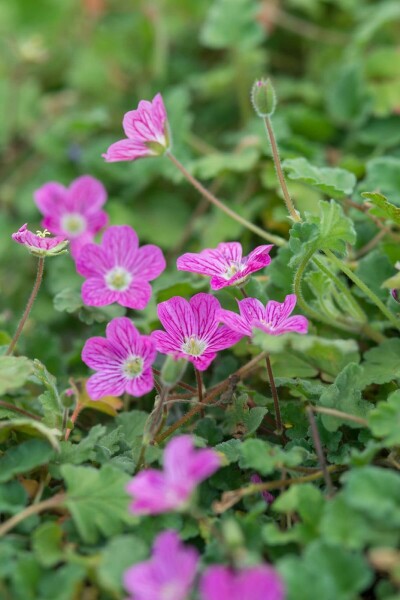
(225, 263)
(38, 243)
(274, 318)
(73, 212)
(185, 467)
(122, 360)
(167, 575)
(118, 270)
(254, 583)
(146, 130)
(192, 329)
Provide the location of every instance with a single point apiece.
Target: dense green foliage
(70, 70)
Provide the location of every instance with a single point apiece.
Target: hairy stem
(181, 384)
(319, 450)
(339, 414)
(211, 198)
(364, 288)
(21, 411)
(279, 171)
(28, 308)
(274, 392)
(33, 509)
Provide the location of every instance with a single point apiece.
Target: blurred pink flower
(74, 212)
(118, 270)
(185, 467)
(122, 360)
(225, 263)
(254, 583)
(167, 575)
(147, 131)
(192, 329)
(39, 244)
(273, 319)
(269, 498)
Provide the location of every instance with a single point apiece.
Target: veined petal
(120, 243)
(95, 292)
(276, 312)
(137, 296)
(251, 310)
(231, 250)
(206, 262)
(234, 321)
(165, 343)
(123, 336)
(98, 353)
(92, 261)
(149, 262)
(105, 383)
(139, 386)
(205, 307)
(126, 150)
(50, 198)
(177, 318)
(223, 338)
(86, 194)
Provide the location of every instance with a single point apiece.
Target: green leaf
(385, 208)
(345, 395)
(336, 182)
(373, 269)
(120, 553)
(383, 174)
(24, 458)
(329, 230)
(50, 399)
(264, 457)
(68, 300)
(212, 165)
(304, 499)
(13, 497)
(382, 363)
(324, 571)
(374, 492)
(384, 420)
(14, 371)
(32, 428)
(47, 544)
(97, 500)
(231, 449)
(232, 25)
(63, 583)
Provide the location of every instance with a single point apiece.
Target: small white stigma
(193, 346)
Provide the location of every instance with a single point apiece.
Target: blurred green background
(71, 68)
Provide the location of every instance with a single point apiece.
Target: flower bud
(172, 371)
(263, 97)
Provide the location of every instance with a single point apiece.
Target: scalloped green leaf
(334, 182)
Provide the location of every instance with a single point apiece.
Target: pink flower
(38, 244)
(273, 319)
(254, 583)
(192, 329)
(118, 270)
(167, 575)
(147, 131)
(123, 361)
(225, 263)
(185, 467)
(74, 212)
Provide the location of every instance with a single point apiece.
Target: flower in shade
(225, 263)
(122, 360)
(274, 318)
(146, 130)
(118, 270)
(167, 575)
(254, 583)
(73, 212)
(269, 498)
(192, 329)
(185, 467)
(38, 243)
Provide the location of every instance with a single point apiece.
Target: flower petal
(120, 243)
(177, 318)
(149, 262)
(137, 296)
(251, 310)
(126, 150)
(139, 386)
(98, 353)
(86, 194)
(223, 338)
(105, 383)
(96, 293)
(231, 250)
(50, 198)
(205, 307)
(92, 261)
(123, 336)
(234, 321)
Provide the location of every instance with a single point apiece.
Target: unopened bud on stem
(263, 98)
(172, 371)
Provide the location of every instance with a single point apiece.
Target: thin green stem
(275, 397)
(318, 448)
(221, 206)
(364, 288)
(279, 171)
(333, 412)
(28, 308)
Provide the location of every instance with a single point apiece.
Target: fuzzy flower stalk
(169, 573)
(147, 135)
(225, 264)
(40, 246)
(122, 360)
(156, 492)
(274, 319)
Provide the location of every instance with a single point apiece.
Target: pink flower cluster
(171, 572)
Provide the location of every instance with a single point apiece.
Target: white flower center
(170, 590)
(193, 346)
(73, 224)
(233, 269)
(133, 367)
(118, 279)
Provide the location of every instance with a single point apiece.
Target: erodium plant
(177, 533)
